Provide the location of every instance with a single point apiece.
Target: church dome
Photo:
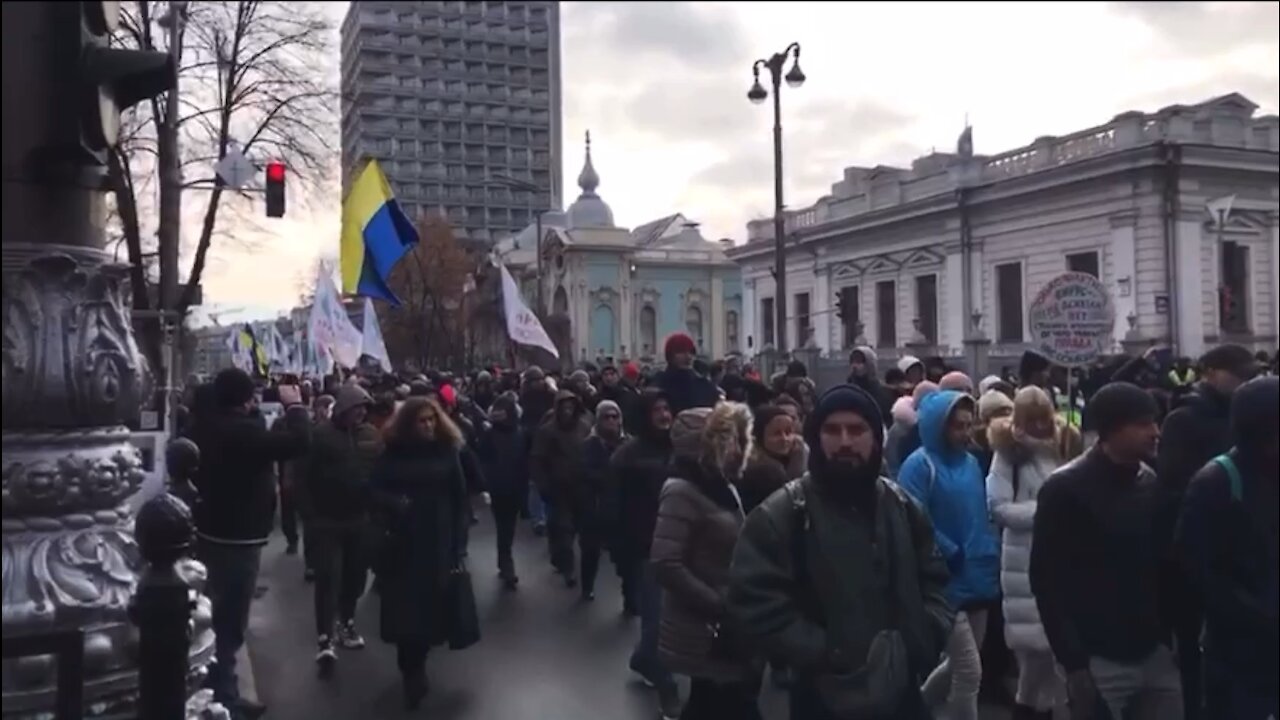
(589, 210)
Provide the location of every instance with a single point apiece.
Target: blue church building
(616, 293)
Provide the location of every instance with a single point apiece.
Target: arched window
(693, 322)
(731, 330)
(560, 303)
(648, 330)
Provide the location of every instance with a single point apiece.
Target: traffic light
(275, 189)
(103, 80)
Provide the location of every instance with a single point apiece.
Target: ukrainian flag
(375, 235)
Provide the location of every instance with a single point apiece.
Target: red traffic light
(275, 172)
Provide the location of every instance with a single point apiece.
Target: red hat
(448, 396)
(679, 342)
(631, 371)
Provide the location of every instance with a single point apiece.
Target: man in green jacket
(342, 455)
(837, 575)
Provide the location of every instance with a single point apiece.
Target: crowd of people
(894, 547)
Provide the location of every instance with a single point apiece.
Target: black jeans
(711, 700)
(1187, 623)
(233, 576)
(289, 514)
(411, 657)
(506, 510)
(341, 574)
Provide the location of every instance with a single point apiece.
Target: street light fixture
(518, 184)
(758, 94)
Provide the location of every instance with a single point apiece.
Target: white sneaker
(326, 655)
(348, 637)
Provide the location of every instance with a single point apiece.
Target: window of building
(1233, 293)
(648, 329)
(693, 323)
(766, 322)
(804, 324)
(1085, 262)
(731, 330)
(927, 307)
(1009, 317)
(850, 315)
(886, 314)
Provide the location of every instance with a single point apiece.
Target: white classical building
(959, 243)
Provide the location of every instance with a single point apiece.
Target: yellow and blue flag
(375, 235)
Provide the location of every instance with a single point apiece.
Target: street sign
(235, 169)
(1072, 319)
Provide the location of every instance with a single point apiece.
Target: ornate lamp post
(757, 94)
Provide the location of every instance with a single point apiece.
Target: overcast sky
(662, 87)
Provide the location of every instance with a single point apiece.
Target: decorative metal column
(72, 374)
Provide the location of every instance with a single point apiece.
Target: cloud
(1209, 28)
(700, 37)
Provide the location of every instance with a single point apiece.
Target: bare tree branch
(251, 71)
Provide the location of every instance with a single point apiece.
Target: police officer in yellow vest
(1182, 375)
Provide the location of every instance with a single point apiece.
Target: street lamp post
(537, 222)
(757, 94)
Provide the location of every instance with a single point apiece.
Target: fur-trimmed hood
(716, 439)
(1065, 445)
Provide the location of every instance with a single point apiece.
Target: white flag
(372, 344)
(522, 325)
(329, 326)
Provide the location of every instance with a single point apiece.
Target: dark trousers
(631, 572)
(233, 576)
(506, 511)
(1188, 623)
(411, 657)
(289, 514)
(806, 703)
(568, 518)
(341, 574)
(711, 700)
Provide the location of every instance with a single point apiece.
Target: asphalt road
(544, 654)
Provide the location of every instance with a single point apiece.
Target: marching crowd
(893, 547)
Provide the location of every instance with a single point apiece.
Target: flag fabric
(372, 343)
(376, 233)
(522, 325)
(331, 331)
(249, 355)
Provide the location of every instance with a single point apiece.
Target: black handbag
(464, 619)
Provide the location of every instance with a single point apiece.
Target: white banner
(372, 343)
(522, 325)
(329, 326)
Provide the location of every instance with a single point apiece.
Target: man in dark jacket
(838, 575)
(505, 462)
(864, 373)
(1100, 565)
(1228, 544)
(612, 388)
(342, 455)
(588, 497)
(237, 487)
(684, 388)
(558, 466)
(1197, 430)
(640, 468)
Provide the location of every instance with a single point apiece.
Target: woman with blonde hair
(419, 489)
(1028, 446)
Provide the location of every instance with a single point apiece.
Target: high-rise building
(459, 101)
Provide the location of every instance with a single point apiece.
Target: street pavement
(544, 654)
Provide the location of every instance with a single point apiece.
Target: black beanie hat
(1118, 404)
(760, 421)
(232, 387)
(838, 398)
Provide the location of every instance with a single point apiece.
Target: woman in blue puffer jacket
(945, 478)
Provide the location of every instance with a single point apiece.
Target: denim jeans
(959, 676)
(341, 575)
(233, 576)
(645, 659)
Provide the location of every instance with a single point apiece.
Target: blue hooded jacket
(949, 484)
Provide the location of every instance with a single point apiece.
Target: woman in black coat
(419, 488)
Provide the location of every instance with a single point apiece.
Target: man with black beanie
(837, 575)
(1100, 565)
(236, 512)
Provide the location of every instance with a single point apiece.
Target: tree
(429, 326)
(250, 72)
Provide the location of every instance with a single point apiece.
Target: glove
(1082, 695)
